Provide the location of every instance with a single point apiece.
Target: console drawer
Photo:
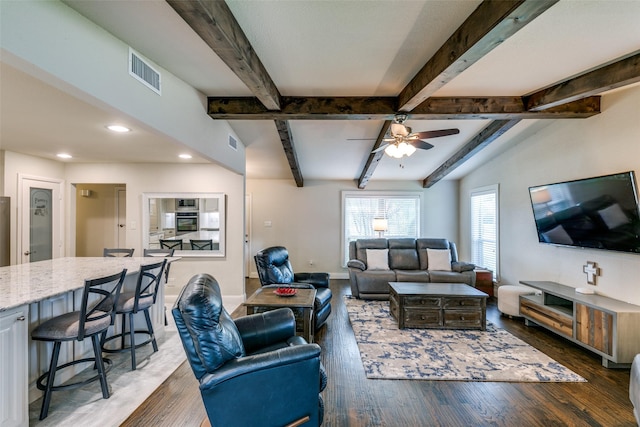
(463, 319)
(420, 318)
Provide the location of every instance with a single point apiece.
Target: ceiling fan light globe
(391, 150)
(410, 150)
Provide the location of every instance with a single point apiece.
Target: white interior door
(40, 219)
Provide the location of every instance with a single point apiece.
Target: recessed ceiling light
(118, 128)
(64, 156)
(185, 156)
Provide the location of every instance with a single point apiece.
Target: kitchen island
(33, 293)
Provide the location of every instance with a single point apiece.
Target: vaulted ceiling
(311, 86)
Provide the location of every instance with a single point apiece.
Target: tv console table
(603, 325)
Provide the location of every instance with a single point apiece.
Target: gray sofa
(408, 261)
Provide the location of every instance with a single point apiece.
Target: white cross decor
(592, 271)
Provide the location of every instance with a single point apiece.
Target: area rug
(454, 355)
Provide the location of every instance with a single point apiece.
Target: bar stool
(162, 253)
(116, 252)
(132, 302)
(170, 244)
(95, 316)
(201, 245)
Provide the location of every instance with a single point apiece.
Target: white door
(121, 217)
(40, 219)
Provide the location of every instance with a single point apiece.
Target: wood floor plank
(352, 400)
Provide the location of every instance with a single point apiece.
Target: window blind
(484, 229)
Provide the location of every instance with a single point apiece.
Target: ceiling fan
(403, 142)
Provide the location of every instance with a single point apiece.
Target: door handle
(27, 253)
(120, 225)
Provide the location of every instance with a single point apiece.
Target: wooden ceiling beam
(489, 134)
(381, 108)
(486, 28)
(215, 24)
(286, 137)
(374, 158)
(616, 74)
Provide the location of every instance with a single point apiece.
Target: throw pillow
(439, 259)
(377, 259)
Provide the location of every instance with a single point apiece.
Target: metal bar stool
(96, 314)
(170, 244)
(132, 302)
(116, 252)
(201, 245)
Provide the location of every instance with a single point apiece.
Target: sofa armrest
(460, 266)
(318, 280)
(264, 329)
(356, 263)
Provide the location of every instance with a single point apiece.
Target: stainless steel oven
(186, 222)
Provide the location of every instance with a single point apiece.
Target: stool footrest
(67, 386)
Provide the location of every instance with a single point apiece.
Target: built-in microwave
(186, 204)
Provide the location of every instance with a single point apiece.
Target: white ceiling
(320, 48)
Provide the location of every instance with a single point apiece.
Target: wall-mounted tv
(599, 212)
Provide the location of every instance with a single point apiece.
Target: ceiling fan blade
(421, 144)
(382, 147)
(436, 133)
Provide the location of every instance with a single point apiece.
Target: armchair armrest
(264, 329)
(318, 280)
(460, 266)
(356, 263)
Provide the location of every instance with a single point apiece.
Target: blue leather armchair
(274, 268)
(252, 370)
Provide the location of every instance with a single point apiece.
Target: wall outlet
(310, 262)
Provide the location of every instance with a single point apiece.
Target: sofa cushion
(421, 276)
(375, 281)
(377, 259)
(439, 259)
(361, 246)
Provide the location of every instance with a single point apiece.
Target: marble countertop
(27, 283)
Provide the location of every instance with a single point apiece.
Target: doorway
(100, 218)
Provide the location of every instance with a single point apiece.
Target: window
(400, 209)
(484, 228)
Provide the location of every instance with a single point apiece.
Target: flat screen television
(599, 212)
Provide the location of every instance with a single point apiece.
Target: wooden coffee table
(438, 305)
(265, 299)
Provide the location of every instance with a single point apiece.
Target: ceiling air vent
(233, 143)
(142, 71)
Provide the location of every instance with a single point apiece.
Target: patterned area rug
(455, 355)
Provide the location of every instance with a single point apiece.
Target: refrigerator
(5, 230)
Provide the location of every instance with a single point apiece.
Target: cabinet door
(595, 328)
(14, 408)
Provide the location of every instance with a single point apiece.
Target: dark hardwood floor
(353, 400)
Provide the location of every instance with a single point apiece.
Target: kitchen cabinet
(14, 405)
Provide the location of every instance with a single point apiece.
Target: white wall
(564, 150)
(308, 220)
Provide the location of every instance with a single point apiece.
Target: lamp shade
(540, 196)
(380, 224)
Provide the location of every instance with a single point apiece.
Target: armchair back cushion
(199, 313)
(274, 265)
